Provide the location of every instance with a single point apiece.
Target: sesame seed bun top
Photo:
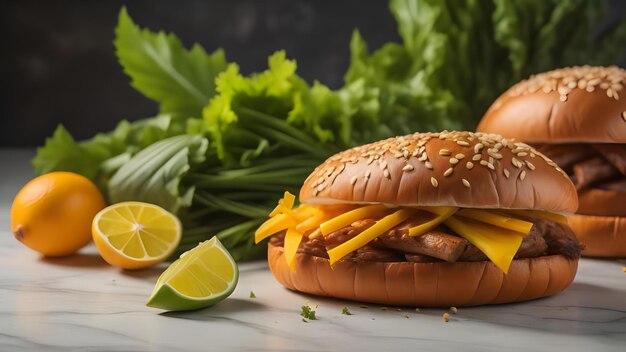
(574, 104)
(462, 169)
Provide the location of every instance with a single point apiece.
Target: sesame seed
(522, 154)
(428, 165)
(386, 173)
(477, 157)
(353, 180)
(624, 115)
(516, 163)
(491, 160)
(530, 165)
(495, 155)
(408, 167)
(368, 173)
(469, 165)
(405, 154)
(483, 162)
(490, 165)
(478, 147)
(444, 152)
(465, 183)
(522, 175)
(423, 157)
(382, 165)
(433, 181)
(321, 187)
(506, 173)
(532, 155)
(398, 155)
(463, 143)
(454, 161)
(370, 160)
(460, 156)
(448, 172)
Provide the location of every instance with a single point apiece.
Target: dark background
(58, 65)
(57, 62)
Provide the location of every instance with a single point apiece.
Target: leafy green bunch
(225, 146)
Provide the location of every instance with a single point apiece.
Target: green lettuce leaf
(154, 174)
(62, 153)
(180, 80)
(456, 57)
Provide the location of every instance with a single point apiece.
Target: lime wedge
(201, 277)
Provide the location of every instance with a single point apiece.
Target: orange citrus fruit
(133, 235)
(52, 213)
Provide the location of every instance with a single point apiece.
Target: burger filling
(592, 167)
(376, 233)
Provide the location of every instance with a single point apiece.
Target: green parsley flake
(307, 312)
(346, 311)
(252, 295)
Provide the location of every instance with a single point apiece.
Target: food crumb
(453, 310)
(446, 317)
(417, 310)
(363, 306)
(624, 269)
(307, 313)
(406, 316)
(399, 309)
(383, 308)
(252, 295)
(304, 320)
(346, 311)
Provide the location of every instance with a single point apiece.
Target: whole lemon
(52, 213)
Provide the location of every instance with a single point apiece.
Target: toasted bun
(425, 284)
(574, 104)
(601, 202)
(603, 236)
(443, 169)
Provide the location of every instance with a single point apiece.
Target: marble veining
(79, 303)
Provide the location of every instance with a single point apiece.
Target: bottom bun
(603, 236)
(425, 284)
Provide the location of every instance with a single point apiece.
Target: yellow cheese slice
(498, 244)
(360, 240)
(562, 219)
(343, 220)
(442, 215)
(497, 219)
(292, 241)
(273, 225)
(284, 204)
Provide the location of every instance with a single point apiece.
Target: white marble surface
(80, 303)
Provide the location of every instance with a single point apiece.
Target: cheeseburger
(428, 219)
(577, 117)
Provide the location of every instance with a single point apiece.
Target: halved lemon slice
(133, 235)
(201, 277)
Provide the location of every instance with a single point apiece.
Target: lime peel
(192, 283)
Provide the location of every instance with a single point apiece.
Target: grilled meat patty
(441, 244)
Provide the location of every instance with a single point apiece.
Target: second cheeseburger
(577, 117)
(429, 219)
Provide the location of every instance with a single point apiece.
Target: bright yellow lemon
(133, 235)
(52, 213)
